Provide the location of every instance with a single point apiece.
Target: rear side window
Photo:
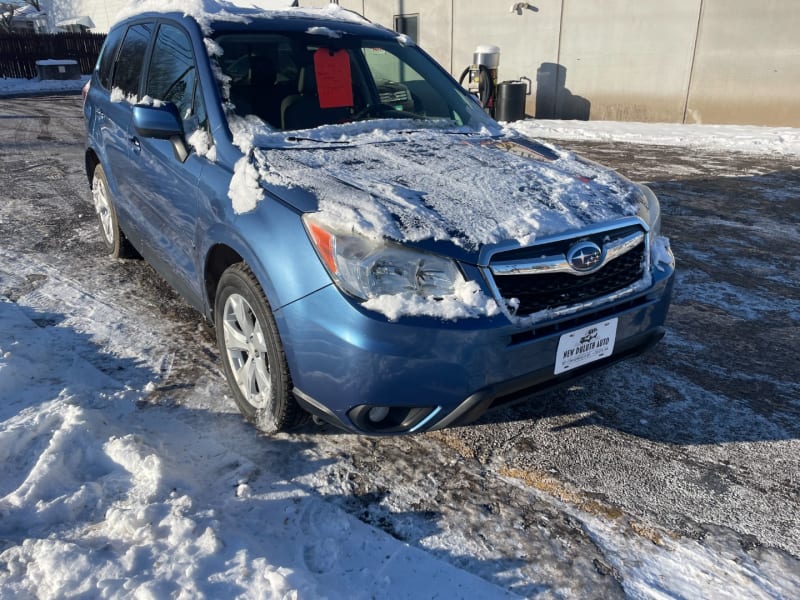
(131, 58)
(106, 62)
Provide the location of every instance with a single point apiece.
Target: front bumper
(344, 359)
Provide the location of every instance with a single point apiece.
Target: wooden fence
(20, 51)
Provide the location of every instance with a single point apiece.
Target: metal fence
(20, 51)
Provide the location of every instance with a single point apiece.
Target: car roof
(303, 22)
(296, 20)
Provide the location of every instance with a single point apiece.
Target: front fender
(273, 242)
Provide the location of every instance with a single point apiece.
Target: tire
(117, 245)
(252, 354)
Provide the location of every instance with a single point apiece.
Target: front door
(167, 190)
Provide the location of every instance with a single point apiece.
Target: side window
(199, 111)
(131, 58)
(106, 60)
(172, 76)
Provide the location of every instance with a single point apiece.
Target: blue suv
(370, 246)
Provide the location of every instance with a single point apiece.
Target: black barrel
(511, 101)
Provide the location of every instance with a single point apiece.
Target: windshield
(295, 81)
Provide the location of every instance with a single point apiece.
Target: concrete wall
(747, 67)
(630, 60)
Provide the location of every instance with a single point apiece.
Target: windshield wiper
(294, 138)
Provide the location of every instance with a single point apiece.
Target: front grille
(600, 238)
(543, 291)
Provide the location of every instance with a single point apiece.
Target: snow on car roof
(206, 12)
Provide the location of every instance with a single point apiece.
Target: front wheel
(252, 353)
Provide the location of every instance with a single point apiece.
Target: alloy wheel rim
(246, 351)
(103, 209)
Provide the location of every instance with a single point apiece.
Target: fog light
(378, 413)
(391, 419)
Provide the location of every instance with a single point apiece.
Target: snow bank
(101, 499)
(13, 87)
(723, 138)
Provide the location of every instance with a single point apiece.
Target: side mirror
(163, 123)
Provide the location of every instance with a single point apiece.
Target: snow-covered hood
(471, 191)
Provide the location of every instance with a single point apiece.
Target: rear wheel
(252, 353)
(116, 243)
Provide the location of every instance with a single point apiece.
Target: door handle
(137, 146)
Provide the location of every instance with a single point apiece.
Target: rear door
(116, 118)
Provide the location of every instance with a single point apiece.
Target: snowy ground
(780, 141)
(103, 497)
(127, 472)
(22, 87)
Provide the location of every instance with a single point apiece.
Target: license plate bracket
(586, 345)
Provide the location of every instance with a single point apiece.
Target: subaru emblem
(584, 256)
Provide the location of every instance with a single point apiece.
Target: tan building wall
(747, 67)
(630, 60)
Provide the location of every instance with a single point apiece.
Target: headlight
(661, 254)
(368, 268)
(652, 212)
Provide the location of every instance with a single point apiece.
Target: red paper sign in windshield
(334, 81)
